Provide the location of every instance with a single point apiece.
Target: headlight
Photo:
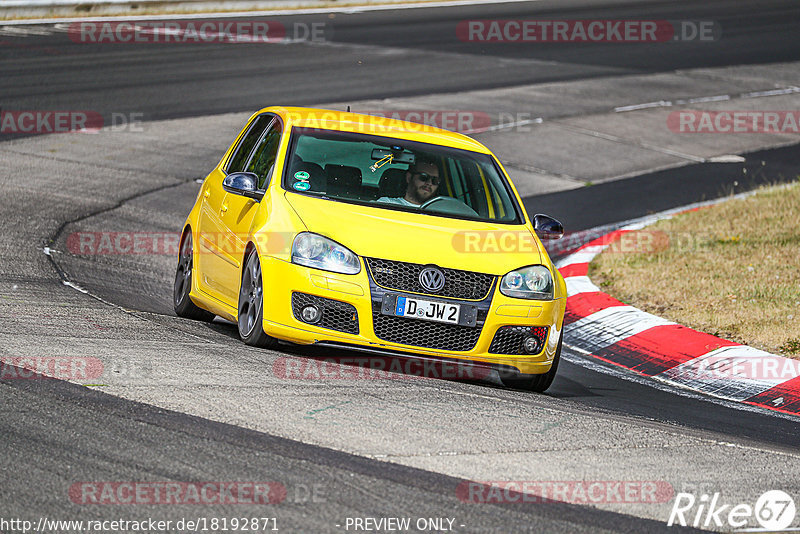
(534, 282)
(313, 250)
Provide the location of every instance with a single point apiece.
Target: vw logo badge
(431, 279)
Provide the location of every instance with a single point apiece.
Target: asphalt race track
(374, 55)
(186, 401)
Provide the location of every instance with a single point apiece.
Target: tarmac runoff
(558, 136)
(87, 182)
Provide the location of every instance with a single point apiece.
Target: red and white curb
(598, 325)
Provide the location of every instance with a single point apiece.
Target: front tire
(184, 307)
(537, 383)
(250, 311)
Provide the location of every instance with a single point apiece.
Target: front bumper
(282, 279)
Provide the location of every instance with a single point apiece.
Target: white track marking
(580, 284)
(736, 372)
(611, 325)
(577, 356)
(15, 31)
(702, 99)
(773, 92)
(727, 158)
(583, 255)
(646, 105)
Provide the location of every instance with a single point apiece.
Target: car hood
(417, 238)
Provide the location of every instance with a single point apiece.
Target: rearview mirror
(547, 227)
(398, 154)
(243, 183)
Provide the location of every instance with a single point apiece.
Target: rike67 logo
(773, 511)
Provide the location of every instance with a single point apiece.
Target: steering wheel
(448, 205)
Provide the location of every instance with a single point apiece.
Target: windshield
(397, 174)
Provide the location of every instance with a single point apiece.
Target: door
(213, 258)
(237, 211)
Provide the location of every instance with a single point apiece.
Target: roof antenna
(348, 108)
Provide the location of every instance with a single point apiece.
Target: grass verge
(732, 270)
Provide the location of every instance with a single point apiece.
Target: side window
(242, 152)
(265, 154)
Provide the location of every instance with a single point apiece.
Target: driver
(422, 179)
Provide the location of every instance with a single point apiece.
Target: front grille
(336, 315)
(509, 339)
(425, 333)
(402, 276)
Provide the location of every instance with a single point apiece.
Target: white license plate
(428, 310)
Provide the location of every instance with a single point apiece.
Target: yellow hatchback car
(354, 231)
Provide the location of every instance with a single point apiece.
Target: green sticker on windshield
(302, 186)
(301, 175)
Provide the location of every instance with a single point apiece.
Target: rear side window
(264, 156)
(242, 153)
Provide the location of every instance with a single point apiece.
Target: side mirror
(242, 183)
(547, 227)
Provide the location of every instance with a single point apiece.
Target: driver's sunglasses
(425, 177)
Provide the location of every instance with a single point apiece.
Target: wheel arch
(250, 247)
(187, 229)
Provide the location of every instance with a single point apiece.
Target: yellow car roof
(329, 119)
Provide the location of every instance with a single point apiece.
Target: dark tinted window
(242, 152)
(265, 154)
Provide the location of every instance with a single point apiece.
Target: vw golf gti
(361, 232)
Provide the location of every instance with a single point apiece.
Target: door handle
(206, 193)
(223, 208)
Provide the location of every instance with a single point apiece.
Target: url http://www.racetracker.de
(199, 524)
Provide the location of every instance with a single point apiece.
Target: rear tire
(537, 383)
(184, 307)
(250, 311)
